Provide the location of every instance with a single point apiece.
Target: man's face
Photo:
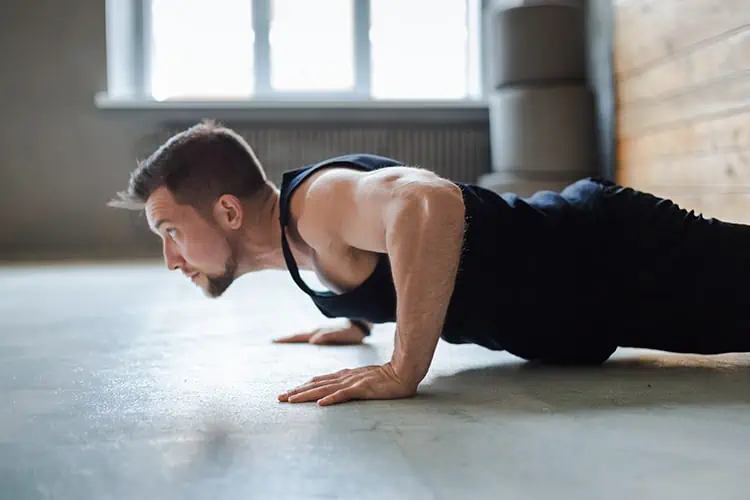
(201, 249)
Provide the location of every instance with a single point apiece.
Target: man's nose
(172, 257)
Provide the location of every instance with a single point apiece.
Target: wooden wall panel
(682, 70)
(649, 31)
(689, 69)
(707, 101)
(727, 171)
(696, 137)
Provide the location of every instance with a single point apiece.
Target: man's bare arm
(424, 236)
(418, 219)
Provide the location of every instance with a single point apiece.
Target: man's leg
(680, 282)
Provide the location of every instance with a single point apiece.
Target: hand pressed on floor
(348, 335)
(368, 382)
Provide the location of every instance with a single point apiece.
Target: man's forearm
(424, 243)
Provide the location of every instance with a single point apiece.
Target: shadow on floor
(636, 382)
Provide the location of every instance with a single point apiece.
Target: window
(201, 49)
(419, 49)
(312, 45)
(329, 49)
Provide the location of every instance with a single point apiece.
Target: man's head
(202, 192)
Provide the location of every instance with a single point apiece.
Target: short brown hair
(197, 165)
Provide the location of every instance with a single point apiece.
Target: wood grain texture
(647, 31)
(713, 100)
(725, 172)
(683, 100)
(726, 55)
(696, 137)
(728, 203)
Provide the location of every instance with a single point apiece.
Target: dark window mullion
(262, 49)
(362, 48)
(141, 54)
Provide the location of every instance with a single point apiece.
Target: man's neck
(270, 255)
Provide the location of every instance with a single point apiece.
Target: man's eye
(171, 232)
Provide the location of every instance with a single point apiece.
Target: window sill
(297, 110)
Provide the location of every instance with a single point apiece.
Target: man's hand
(369, 382)
(347, 335)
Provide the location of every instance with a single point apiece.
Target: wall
(683, 86)
(61, 158)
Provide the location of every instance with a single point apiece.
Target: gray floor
(123, 382)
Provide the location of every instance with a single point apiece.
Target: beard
(218, 284)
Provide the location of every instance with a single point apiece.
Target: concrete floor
(124, 382)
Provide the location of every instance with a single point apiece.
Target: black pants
(670, 279)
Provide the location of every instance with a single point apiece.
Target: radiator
(460, 152)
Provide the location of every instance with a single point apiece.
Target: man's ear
(229, 212)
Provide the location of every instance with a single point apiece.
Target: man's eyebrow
(159, 223)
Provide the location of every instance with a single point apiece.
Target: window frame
(128, 48)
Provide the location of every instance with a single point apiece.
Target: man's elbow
(446, 196)
(436, 202)
(440, 199)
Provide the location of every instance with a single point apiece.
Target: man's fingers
(313, 384)
(356, 391)
(307, 387)
(330, 376)
(345, 377)
(321, 338)
(325, 336)
(316, 393)
(345, 336)
(300, 337)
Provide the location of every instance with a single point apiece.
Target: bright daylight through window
(201, 49)
(312, 45)
(413, 49)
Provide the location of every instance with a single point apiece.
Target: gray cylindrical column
(536, 43)
(542, 129)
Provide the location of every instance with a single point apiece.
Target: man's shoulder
(329, 188)
(332, 198)
(323, 198)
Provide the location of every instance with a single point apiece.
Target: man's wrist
(364, 327)
(407, 371)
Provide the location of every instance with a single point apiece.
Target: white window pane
(312, 45)
(201, 49)
(419, 49)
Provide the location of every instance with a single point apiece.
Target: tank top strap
(291, 264)
(290, 181)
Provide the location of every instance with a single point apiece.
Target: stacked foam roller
(541, 107)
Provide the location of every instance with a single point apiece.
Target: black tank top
(518, 253)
